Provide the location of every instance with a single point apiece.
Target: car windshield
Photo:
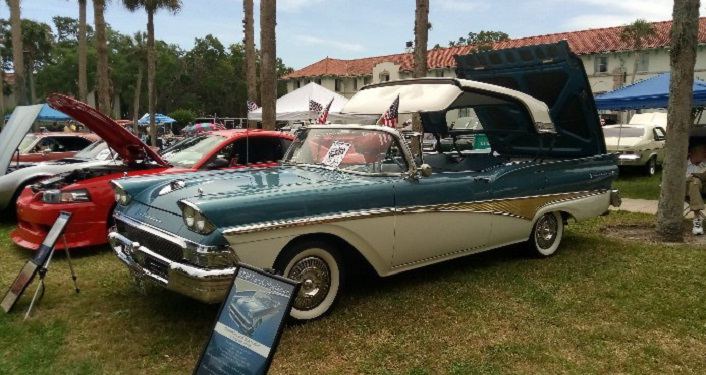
(190, 151)
(353, 150)
(26, 143)
(624, 132)
(97, 150)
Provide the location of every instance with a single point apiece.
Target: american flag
(315, 106)
(252, 106)
(324, 114)
(389, 118)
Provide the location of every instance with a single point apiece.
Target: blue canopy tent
(159, 119)
(649, 93)
(48, 113)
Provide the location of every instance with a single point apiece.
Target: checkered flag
(252, 106)
(315, 106)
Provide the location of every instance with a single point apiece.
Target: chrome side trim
(519, 207)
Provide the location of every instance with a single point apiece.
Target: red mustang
(87, 193)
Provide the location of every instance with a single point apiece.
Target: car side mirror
(218, 163)
(425, 170)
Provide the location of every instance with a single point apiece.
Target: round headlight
(200, 222)
(189, 216)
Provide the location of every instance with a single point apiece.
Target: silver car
(11, 184)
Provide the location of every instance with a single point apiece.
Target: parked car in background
(637, 146)
(38, 147)
(87, 193)
(97, 154)
(351, 193)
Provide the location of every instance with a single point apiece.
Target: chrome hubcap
(315, 278)
(546, 232)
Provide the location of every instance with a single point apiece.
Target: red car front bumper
(87, 226)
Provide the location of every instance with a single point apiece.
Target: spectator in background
(695, 177)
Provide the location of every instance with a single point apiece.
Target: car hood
(127, 145)
(15, 129)
(554, 75)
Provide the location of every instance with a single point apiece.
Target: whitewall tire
(546, 235)
(318, 267)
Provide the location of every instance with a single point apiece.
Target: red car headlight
(68, 196)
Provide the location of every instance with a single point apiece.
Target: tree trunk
(268, 73)
(151, 96)
(32, 85)
(421, 36)
(17, 52)
(2, 95)
(82, 52)
(634, 66)
(250, 54)
(102, 52)
(682, 57)
(136, 101)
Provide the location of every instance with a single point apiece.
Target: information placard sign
(249, 324)
(29, 271)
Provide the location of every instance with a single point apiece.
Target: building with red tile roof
(608, 60)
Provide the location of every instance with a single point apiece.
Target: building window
(601, 64)
(355, 84)
(337, 85)
(439, 73)
(384, 76)
(366, 80)
(297, 84)
(317, 81)
(643, 62)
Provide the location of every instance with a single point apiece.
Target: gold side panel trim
(522, 207)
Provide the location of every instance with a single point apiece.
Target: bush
(183, 117)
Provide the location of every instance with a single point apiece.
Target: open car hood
(15, 129)
(554, 75)
(127, 145)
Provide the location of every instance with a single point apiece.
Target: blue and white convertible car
(346, 193)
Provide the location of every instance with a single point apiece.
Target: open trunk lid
(554, 75)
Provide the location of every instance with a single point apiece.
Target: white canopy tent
(294, 106)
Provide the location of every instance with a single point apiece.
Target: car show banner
(249, 324)
(30, 269)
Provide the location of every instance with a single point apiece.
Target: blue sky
(308, 30)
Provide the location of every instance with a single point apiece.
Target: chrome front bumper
(203, 284)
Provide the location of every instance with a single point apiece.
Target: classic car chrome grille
(157, 267)
(159, 245)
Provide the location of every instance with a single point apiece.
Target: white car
(638, 146)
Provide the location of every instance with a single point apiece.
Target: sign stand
(42, 272)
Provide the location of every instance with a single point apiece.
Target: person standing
(695, 177)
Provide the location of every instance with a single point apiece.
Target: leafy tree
(682, 58)
(636, 33)
(183, 117)
(482, 40)
(37, 41)
(151, 7)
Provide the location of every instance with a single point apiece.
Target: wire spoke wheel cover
(315, 277)
(547, 234)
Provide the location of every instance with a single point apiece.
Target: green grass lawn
(635, 184)
(600, 305)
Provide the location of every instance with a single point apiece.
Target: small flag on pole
(324, 114)
(389, 118)
(315, 106)
(252, 106)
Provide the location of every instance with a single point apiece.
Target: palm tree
(82, 52)
(17, 51)
(268, 62)
(250, 54)
(636, 33)
(102, 51)
(151, 7)
(682, 58)
(421, 37)
(139, 54)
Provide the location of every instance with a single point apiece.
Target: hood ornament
(200, 191)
